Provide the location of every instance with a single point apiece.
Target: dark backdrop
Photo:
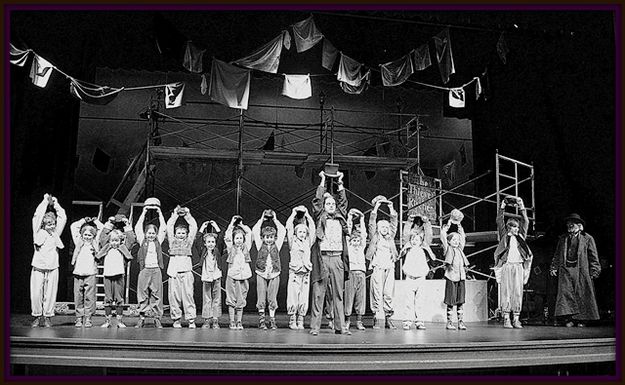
(552, 103)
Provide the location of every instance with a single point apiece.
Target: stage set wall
(117, 130)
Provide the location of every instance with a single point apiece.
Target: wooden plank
(277, 158)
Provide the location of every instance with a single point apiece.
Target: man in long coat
(576, 263)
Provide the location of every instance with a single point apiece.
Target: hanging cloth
(502, 48)
(266, 58)
(329, 55)
(93, 94)
(444, 56)
(478, 87)
(457, 98)
(286, 39)
(396, 72)
(193, 58)
(422, 58)
(365, 80)
(297, 86)
(18, 56)
(203, 85)
(306, 34)
(173, 94)
(229, 85)
(40, 71)
(349, 71)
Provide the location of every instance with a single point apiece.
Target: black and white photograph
(332, 191)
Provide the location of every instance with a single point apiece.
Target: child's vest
(263, 254)
(122, 249)
(451, 255)
(143, 252)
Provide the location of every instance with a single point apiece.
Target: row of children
(327, 250)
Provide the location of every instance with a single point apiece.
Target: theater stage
(485, 348)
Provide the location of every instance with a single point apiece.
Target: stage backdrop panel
(431, 307)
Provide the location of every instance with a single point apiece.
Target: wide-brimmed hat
(574, 217)
(456, 216)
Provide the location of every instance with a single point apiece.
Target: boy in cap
(576, 264)
(85, 232)
(456, 264)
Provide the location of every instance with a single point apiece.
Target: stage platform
(484, 348)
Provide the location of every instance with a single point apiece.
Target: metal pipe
(240, 165)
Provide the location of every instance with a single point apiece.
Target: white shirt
(210, 272)
(333, 236)
(300, 256)
(151, 258)
(513, 251)
(356, 255)
(383, 257)
(113, 263)
(416, 264)
(85, 261)
(239, 269)
(46, 256)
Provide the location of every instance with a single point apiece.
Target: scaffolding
(140, 177)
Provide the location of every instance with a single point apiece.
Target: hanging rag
(18, 56)
(329, 55)
(193, 58)
(266, 58)
(456, 97)
(365, 80)
(203, 85)
(229, 85)
(444, 55)
(93, 94)
(297, 86)
(306, 34)
(286, 39)
(173, 94)
(40, 71)
(422, 58)
(397, 72)
(349, 71)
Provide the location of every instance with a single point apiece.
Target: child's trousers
(211, 295)
(382, 286)
(236, 292)
(43, 288)
(150, 291)
(84, 295)
(355, 293)
(267, 293)
(181, 296)
(414, 289)
(297, 292)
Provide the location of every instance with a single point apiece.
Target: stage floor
(483, 345)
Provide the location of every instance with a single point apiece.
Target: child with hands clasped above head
(415, 268)
(180, 268)
(382, 253)
(456, 264)
(238, 240)
(85, 232)
(211, 274)
(268, 242)
(301, 237)
(150, 259)
(44, 276)
(355, 286)
(115, 247)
